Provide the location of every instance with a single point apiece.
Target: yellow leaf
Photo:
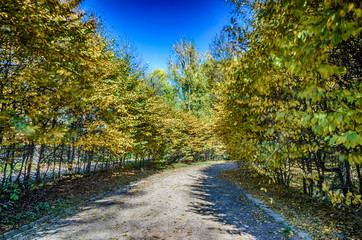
(329, 23)
(342, 13)
(350, 7)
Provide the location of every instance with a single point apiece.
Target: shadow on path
(80, 216)
(224, 202)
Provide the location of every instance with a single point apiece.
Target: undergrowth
(319, 218)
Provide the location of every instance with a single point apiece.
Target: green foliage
(157, 81)
(61, 204)
(42, 208)
(14, 197)
(290, 101)
(287, 233)
(189, 75)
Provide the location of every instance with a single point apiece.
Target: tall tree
(157, 80)
(185, 66)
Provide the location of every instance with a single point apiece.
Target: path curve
(186, 203)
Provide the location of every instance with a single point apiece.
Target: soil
(186, 203)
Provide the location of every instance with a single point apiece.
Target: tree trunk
(304, 180)
(41, 152)
(90, 158)
(348, 176)
(6, 165)
(359, 178)
(341, 179)
(70, 156)
(60, 161)
(12, 164)
(311, 181)
(22, 164)
(54, 161)
(78, 159)
(29, 163)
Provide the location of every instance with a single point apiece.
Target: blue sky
(155, 25)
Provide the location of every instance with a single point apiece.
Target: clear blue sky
(155, 25)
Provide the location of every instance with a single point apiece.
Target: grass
(210, 162)
(56, 196)
(185, 164)
(16, 168)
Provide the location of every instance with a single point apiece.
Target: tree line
(73, 101)
(289, 102)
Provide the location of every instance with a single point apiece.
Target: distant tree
(185, 66)
(157, 81)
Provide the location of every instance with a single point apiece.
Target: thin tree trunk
(12, 163)
(304, 180)
(78, 159)
(359, 178)
(70, 160)
(41, 151)
(48, 166)
(29, 163)
(22, 164)
(60, 160)
(348, 176)
(54, 161)
(6, 165)
(311, 181)
(90, 158)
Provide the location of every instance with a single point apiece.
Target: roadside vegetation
(289, 102)
(319, 218)
(289, 108)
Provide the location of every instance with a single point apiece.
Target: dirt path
(186, 203)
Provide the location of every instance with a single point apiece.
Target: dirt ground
(186, 203)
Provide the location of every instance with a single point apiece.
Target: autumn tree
(73, 101)
(289, 102)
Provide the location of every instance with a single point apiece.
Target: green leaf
(332, 140)
(354, 139)
(14, 197)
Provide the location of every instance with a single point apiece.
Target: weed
(42, 208)
(288, 232)
(62, 204)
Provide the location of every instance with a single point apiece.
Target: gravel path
(186, 203)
